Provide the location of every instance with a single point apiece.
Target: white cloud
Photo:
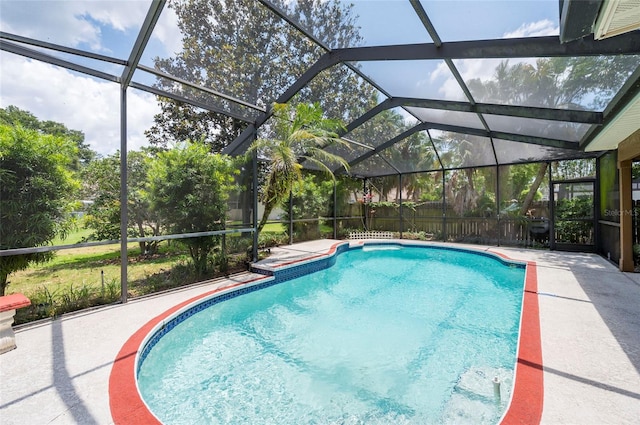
(79, 102)
(49, 21)
(449, 87)
(468, 69)
(141, 108)
(71, 23)
(534, 29)
(83, 24)
(167, 31)
(121, 15)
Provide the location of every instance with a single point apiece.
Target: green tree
(179, 122)
(35, 190)
(300, 134)
(467, 185)
(244, 50)
(12, 115)
(311, 199)
(572, 219)
(414, 153)
(103, 177)
(533, 189)
(573, 169)
(575, 83)
(189, 188)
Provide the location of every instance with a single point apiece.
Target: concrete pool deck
(589, 322)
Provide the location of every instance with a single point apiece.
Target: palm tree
(301, 133)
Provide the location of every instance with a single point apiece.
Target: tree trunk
(143, 245)
(246, 202)
(526, 204)
(469, 172)
(199, 257)
(268, 208)
(3, 282)
(533, 189)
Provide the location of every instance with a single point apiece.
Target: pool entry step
(474, 395)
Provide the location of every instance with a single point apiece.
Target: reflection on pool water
(413, 335)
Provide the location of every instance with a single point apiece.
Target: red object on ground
(528, 392)
(13, 302)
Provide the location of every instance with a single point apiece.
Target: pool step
(474, 399)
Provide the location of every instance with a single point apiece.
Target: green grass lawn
(274, 228)
(83, 277)
(77, 277)
(88, 266)
(283, 227)
(76, 236)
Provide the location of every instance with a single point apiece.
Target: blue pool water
(386, 335)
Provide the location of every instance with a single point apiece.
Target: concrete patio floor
(590, 333)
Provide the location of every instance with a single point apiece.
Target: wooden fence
(635, 217)
(428, 220)
(471, 229)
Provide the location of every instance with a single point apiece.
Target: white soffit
(617, 17)
(622, 126)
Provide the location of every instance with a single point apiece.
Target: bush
(268, 240)
(45, 304)
(238, 244)
(311, 199)
(568, 227)
(221, 261)
(416, 236)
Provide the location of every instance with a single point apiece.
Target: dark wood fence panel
(635, 217)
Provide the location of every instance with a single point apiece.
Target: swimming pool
(418, 347)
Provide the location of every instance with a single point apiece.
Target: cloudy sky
(79, 101)
(111, 27)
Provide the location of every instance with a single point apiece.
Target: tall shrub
(35, 190)
(189, 189)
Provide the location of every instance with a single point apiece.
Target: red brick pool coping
(127, 406)
(528, 392)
